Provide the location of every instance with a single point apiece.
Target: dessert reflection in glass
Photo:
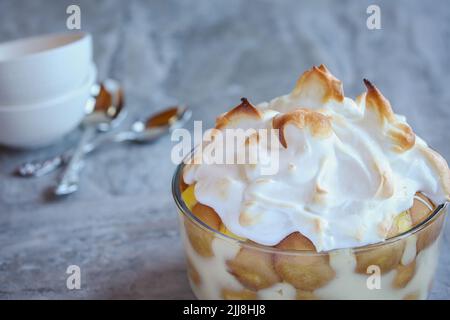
(355, 209)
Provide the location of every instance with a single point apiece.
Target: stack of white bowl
(45, 83)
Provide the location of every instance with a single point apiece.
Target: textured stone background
(121, 228)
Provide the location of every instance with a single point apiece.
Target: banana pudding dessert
(353, 207)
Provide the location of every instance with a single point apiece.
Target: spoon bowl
(157, 125)
(106, 108)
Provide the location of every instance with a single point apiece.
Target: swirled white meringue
(346, 169)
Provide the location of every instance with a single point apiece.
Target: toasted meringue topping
(318, 86)
(400, 133)
(242, 112)
(318, 124)
(346, 168)
(376, 101)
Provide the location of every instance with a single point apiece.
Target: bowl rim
(75, 39)
(87, 82)
(182, 207)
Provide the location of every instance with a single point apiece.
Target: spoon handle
(69, 180)
(38, 168)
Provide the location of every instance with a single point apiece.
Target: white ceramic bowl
(40, 124)
(37, 69)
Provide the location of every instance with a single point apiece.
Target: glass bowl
(220, 266)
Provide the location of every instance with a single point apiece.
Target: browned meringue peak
(317, 86)
(376, 101)
(400, 133)
(244, 111)
(243, 116)
(318, 123)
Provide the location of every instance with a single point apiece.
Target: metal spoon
(142, 131)
(37, 168)
(148, 130)
(104, 94)
(159, 124)
(107, 107)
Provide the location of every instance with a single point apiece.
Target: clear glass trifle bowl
(312, 195)
(221, 265)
